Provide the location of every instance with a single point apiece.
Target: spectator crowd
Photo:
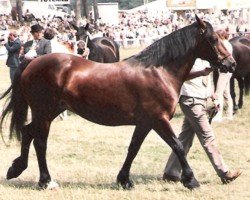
(139, 28)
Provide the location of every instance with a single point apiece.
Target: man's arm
(15, 47)
(47, 48)
(196, 74)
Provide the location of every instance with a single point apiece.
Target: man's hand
(207, 71)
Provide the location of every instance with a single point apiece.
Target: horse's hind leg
(247, 84)
(233, 95)
(42, 127)
(163, 128)
(139, 135)
(21, 163)
(241, 86)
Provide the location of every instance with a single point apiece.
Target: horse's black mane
(168, 48)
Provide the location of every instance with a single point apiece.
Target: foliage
(125, 4)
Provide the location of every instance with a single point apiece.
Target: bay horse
(142, 90)
(102, 49)
(241, 54)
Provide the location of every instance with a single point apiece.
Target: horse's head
(212, 49)
(81, 32)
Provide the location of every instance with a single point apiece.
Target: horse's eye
(215, 40)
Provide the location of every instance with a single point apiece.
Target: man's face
(11, 37)
(37, 35)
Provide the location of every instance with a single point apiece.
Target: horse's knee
(39, 144)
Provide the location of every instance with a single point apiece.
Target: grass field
(84, 158)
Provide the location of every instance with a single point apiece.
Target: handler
(193, 99)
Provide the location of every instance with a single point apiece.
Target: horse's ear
(201, 23)
(74, 26)
(87, 27)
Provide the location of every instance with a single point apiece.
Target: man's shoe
(230, 176)
(167, 177)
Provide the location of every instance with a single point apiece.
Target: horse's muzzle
(228, 65)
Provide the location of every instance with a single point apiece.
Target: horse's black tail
(117, 51)
(16, 104)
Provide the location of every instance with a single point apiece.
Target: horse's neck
(90, 44)
(179, 70)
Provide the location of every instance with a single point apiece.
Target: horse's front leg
(21, 163)
(139, 135)
(40, 144)
(164, 129)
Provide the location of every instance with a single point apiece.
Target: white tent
(152, 7)
(222, 4)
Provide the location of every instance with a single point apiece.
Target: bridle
(220, 60)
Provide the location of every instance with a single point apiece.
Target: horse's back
(107, 94)
(51, 68)
(241, 53)
(110, 49)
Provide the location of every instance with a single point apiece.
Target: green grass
(84, 158)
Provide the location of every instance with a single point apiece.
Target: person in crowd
(13, 47)
(194, 94)
(38, 46)
(82, 49)
(56, 46)
(223, 84)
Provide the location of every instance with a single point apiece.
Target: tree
(19, 10)
(78, 11)
(96, 12)
(85, 8)
(127, 4)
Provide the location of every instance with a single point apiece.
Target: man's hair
(49, 33)
(14, 33)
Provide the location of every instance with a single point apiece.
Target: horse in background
(241, 54)
(142, 90)
(102, 49)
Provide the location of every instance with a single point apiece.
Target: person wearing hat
(38, 46)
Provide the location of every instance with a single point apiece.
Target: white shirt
(57, 47)
(228, 45)
(197, 87)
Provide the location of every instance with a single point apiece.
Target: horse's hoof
(13, 172)
(190, 184)
(236, 108)
(52, 185)
(127, 185)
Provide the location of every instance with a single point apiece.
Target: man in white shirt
(38, 46)
(193, 99)
(223, 84)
